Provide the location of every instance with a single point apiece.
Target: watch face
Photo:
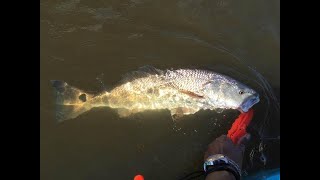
(215, 157)
(220, 162)
(207, 164)
(214, 160)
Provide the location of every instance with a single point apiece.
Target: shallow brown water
(83, 40)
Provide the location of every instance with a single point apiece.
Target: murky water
(92, 43)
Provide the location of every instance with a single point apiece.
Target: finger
(222, 138)
(243, 141)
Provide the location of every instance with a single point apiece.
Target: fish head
(230, 94)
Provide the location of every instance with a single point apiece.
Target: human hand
(224, 145)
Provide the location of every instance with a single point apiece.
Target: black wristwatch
(220, 162)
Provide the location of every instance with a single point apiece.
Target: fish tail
(70, 101)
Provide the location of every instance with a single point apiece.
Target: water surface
(92, 43)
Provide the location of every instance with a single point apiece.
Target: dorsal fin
(150, 69)
(141, 72)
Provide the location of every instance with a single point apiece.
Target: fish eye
(241, 92)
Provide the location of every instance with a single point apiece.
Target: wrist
(219, 162)
(217, 175)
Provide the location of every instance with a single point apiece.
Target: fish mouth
(249, 102)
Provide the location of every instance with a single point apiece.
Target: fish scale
(188, 79)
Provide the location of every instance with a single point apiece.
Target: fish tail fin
(70, 101)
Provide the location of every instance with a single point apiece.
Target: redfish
(181, 91)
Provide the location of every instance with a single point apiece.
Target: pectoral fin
(178, 113)
(191, 94)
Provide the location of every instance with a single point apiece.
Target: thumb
(243, 141)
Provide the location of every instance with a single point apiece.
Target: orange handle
(238, 128)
